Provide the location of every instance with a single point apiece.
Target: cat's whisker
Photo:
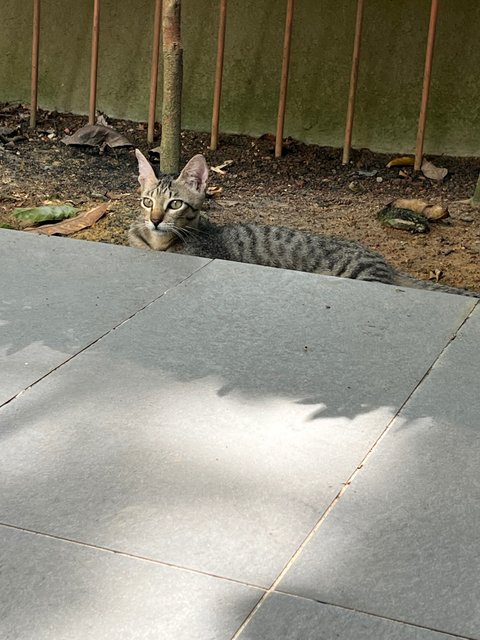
(194, 230)
(180, 231)
(191, 231)
(177, 233)
(185, 233)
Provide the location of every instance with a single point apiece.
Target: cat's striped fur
(187, 230)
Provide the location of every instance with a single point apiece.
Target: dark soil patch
(308, 188)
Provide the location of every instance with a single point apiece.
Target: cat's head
(172, 202)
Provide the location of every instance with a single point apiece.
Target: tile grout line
(376, 615)
(348, 482)
(114, 328)
(266, 592)
(35, 382)
(232, 580)
(132, 556)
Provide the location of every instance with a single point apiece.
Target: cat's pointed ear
(195, 173)
(146, 174)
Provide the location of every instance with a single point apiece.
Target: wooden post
(157, 23)
(35, 49)
(172, 87)
(94, 62)
(284, 78)
(218, 74)
(426, 84)
(353, 83)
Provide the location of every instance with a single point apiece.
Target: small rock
(379, 179)
(465, 217)
(368, 173)
(354, 186)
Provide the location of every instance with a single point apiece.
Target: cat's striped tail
(404, 280)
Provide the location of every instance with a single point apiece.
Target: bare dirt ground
(307, 188)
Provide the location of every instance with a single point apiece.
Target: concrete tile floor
(192, 445)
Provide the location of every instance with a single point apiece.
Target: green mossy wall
(390, 79)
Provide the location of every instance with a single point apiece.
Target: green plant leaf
(45, 213)
(5, 225)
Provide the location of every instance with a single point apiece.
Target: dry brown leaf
(432, 172)
(412, 204)
(268, 137)
(220, 168)
(7, 132)
(66, 227)
(102, 120)
(228, 203)
(113, 195)
(214, 191)
(403, 161)
(435, 212)
(435, 275)
(422, 207)
(97, 135)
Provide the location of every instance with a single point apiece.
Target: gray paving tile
(284, 617)
(52, 589)
(203, 433)
(404, 541)
(57, 295)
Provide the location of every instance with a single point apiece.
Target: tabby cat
(172, 221)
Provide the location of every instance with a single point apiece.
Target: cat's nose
(155, 222)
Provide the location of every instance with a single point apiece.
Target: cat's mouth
(162, 227)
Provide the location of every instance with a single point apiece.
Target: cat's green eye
(175, 204)
(147, 202)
